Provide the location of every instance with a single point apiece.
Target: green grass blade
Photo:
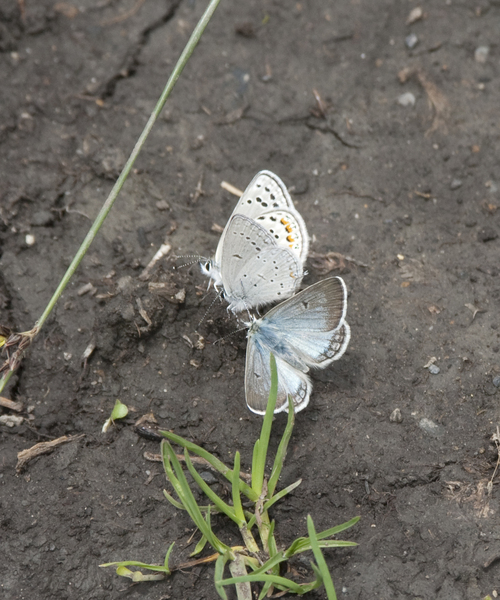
(220, 563)
(282, 448)
(140, 565)
(302, 544)
(320, 560)
(199, 546)
(212, 460)
(270, 564)
(334, 530)
(182, 489)
(274, 499)
(260, 449)
(211, 495)
(282, 582)
(281, 494)
(238, 569)
(108, 204)
(167, 557)
(173, 501)
(235, 490)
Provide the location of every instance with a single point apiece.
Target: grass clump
(253, 561)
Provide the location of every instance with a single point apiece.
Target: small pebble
(30, 240)
(415, 15)
(481, 54)
(496, 381)
(411, 41)
(428, 426)
(11, 420)
(42, 218)
(486, 234)
(434, 369)
(455, 184)
(396, 416)
(209, 478)
(407, 99)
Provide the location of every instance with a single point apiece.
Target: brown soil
(412, 192)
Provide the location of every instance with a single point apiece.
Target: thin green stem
(181, 63)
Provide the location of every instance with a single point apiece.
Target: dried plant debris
(331, 261)
(437, 100)
(25, 456)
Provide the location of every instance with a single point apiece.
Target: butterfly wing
(254, 271)
(288, 229)
(258, 380)
(309, 329)
(267, 193)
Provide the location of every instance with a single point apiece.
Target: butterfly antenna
(230, 334)
(219, 295)
(196, 259)
(243, 300)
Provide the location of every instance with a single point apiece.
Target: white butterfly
(262, 250)
(306, 331)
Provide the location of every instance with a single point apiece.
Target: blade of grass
(302, 544)
(282, 448)
(238, 569)
(199, 546)
(212, 460)
(183, 490)
(274, 499)
(220, 563)
(235, 490)
(167, 557)
(261, 445)
(320, 560)
(141, 565)
(282, 582)
(337, 529)
(103, 213)
(173, 501)
(211, 495)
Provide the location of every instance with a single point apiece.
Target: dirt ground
(385, 128)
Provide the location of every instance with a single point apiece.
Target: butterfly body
(307, 331)
(262, 250)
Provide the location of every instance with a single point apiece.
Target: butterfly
(263, 248)
(307, 331)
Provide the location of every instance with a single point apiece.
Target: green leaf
(303, 544)
(235, 490)
(183, 491)
(261, 445)
(282, 448)
(134, 563)
(282, 582)
(137, 576)
(320, 559)
(238, 569)
(173, 501)
(199, 546)
(281, 494)
(337, 528)
(220, 563)
(212, 496)
(119, 412)
(167, 557)
(274, 499)
(212, 460)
